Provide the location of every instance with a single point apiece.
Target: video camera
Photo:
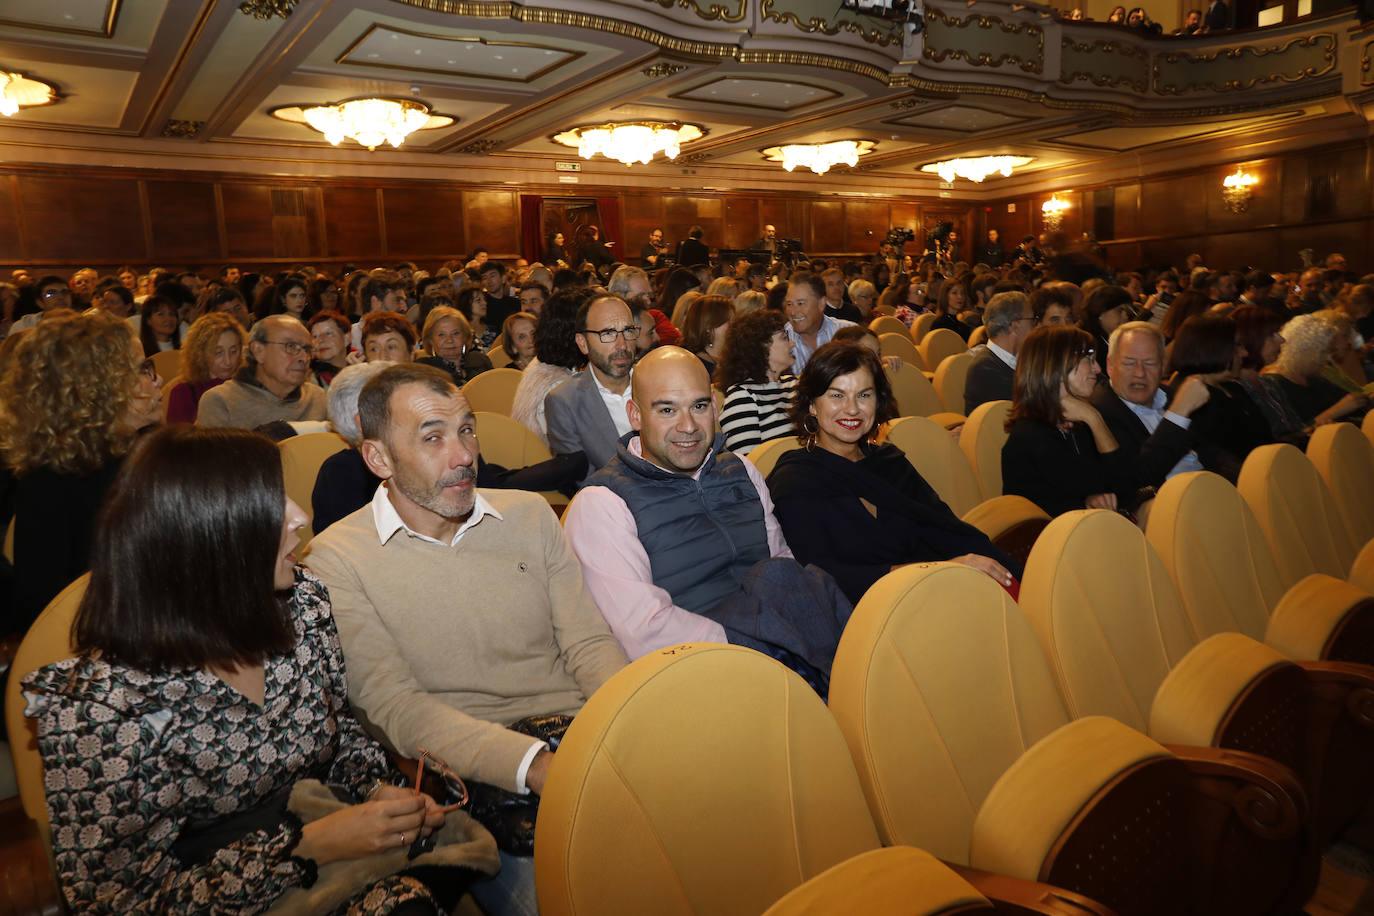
(899, 236)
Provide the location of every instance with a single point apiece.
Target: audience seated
(272, 386)
(387, 336)
(755, 373)
(1008, 318)
(517, 339)
(556, 357)
(528, 641)
(75, 393)
(1229, 424)
(329, 332)
(1152, 430)
(448, 341)
(587, 413)
(1104, 310)
(1295, 378)
(678, 542)
(1059, 452)
(808, 327)
(175, 782)
(705, 327)
(855, 508)
(952, 301)
(211, 354)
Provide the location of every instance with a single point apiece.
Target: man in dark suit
(692, 251)
(1218, 16)
(1133, 405)
(1008, 319)
(588, 412)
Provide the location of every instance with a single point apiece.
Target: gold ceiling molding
(662, 69)
(182, 130)
(569, 56)
(1324, 42)
(715, 13)
(1112, 48)
(267, 9)
(1365, 78)
(105, 31)
(817, 24)
(1027, 63)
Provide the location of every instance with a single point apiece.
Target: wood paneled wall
(1321, 199)
(62, 219)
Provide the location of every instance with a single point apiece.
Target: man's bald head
(672, 408)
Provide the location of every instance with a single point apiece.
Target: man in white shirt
(1008, 319)
(808, 327)
(588, 412)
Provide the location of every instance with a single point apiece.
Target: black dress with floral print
(132, 760)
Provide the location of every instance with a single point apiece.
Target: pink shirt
(616, 571)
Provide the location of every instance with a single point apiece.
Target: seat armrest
(1272, 802)
(1019, 896)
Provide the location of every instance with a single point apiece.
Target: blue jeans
(511, 891)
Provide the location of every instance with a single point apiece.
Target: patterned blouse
(132, 759)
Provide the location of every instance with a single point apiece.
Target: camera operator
(768, 242)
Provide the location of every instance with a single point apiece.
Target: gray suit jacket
(578, 421)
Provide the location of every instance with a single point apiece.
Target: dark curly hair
(554, 335)
(828, 363)
(745, 357)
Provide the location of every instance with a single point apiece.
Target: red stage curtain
(532, 227)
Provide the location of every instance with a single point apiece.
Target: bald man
(678, 542)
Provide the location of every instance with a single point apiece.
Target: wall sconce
(1052, 212)
(1236, 190)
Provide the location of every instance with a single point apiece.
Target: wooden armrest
(1271, 803)
(1020, 896)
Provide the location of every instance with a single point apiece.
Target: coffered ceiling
(192, 83)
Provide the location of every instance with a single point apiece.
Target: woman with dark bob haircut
(755, 372)
(209, 682)
(854, 508)
(1230, 424)
(1059, 453)
(1257, 333)
(556, 357)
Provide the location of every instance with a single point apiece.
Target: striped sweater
(756, 412)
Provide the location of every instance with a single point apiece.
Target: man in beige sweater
(460, 611)
(272, 386)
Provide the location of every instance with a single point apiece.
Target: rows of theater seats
(1171, 721)
(1121, 737)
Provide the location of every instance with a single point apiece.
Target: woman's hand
(1101, 501)
(892, 363)
(987, 565)
(363, 830)
(434, 813)
(1077, 410)
(1344, 407)
(354, 358)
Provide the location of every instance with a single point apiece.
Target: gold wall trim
(1113, 47)
(1323, 40)
(817, 24)
(985, 58)
(1366, 78)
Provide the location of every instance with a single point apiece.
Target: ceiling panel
(457, 57)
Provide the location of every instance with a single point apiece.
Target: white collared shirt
(615, 403)
(389, 521)
(1005, 356)
(1153, 415)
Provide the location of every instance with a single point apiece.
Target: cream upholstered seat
(1367, 427)
(493, 390)
(938, 344)
(1011, 522)
(982, 439)
(167, 363)
(48, 640)
(950, 375)
(964, 748)
(1295, 511)
(1221, 564)
(921, 326)
(765, 455)
(699, 779)
(301, 457)
(1119, 644)
(1345, 461)
(511, 444)
(916, 396)
(500, 359)
(886, 324)
(897, 879)
(900, 345)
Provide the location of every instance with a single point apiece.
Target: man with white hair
(1008, 320)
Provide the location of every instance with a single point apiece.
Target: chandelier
(371, 122)
(1236, 190)
(1052, 211)
(18, 90)
(630, 142)
(976, 168)
(819, 157)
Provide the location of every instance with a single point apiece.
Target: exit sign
(568, 166)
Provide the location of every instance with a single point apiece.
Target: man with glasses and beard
(588, 412)
(272, 385)
(461, 611)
